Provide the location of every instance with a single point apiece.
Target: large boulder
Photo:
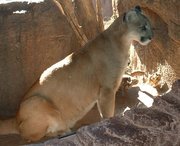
(29, 43)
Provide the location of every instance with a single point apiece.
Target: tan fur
(8, 126)
(127, 82)
(69, 89)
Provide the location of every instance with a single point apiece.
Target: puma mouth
(144, 40)
(140, 42)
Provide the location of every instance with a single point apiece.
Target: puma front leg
(106, 103)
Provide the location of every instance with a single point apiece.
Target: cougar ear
(131, 17)
(138, 9)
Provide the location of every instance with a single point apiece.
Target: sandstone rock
(107, 8)
(29, 43)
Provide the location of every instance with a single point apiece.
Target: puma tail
(8, 126)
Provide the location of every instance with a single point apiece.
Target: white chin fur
(145, 43)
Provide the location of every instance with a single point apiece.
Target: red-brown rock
(29, 43)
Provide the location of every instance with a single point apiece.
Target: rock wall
(29, 43)
(106, 7)
(165, 18)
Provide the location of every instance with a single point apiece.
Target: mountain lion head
(138, 25)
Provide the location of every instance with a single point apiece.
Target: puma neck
(118, 34)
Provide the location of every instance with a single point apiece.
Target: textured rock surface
(165, 18)
(29, 43)
(107, 9)
(158, 125)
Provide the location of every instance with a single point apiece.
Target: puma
(68, 89)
